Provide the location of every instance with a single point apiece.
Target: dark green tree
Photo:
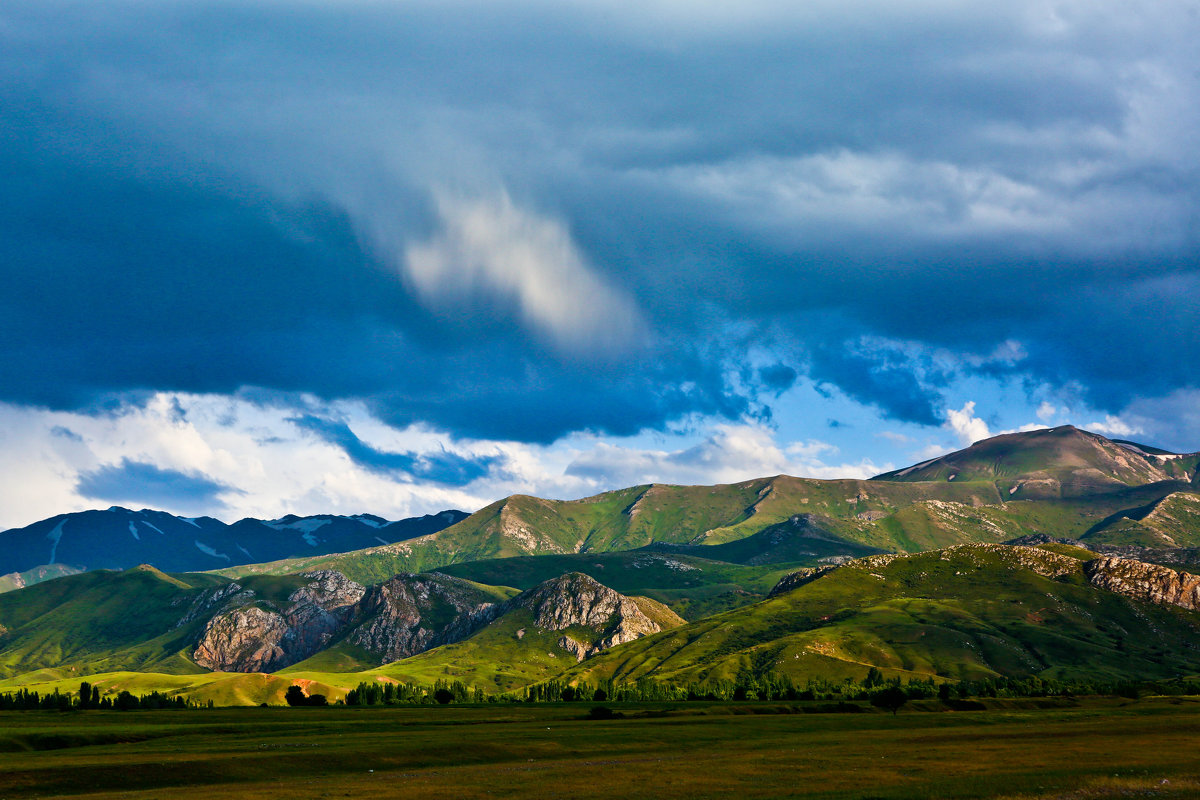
(295, 696)
(891, 698)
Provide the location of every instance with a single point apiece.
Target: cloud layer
(535, 221)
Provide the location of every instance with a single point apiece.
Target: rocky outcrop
(409, 614)
(229, 595)
(401, 617)
(798, 578)
(575, 601)
(250, 634)
(1146, 582)
(245, 639)
(319, 611)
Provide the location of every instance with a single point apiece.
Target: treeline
(400, 694)
(773, 687)
(89, 697)
(875, 689)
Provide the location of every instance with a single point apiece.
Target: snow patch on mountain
(55, 536)
(307, 527)
(208, 551)
(133, 530)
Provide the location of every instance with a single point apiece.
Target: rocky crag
(401, 617)
(1149, 583)
(592, 616)
(409, 614)
(250, 634)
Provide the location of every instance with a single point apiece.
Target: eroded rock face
(399, 618)
(1146, 582)
(413, 613)
(247, 639)
(250, 634)
(319, 610)
(575, 600)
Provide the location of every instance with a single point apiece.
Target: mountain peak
(1058, 461)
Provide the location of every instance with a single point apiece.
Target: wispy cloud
(441, 467)
(489, 248)
(143, 484)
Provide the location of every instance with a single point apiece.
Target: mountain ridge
(1061, 480)
(118, 538)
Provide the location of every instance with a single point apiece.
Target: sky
(269, 256)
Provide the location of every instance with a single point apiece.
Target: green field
(1095, 748)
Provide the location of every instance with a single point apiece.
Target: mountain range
(1057, 553)
(118, 538)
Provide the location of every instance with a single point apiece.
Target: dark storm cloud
(205, 196)
(138, 483)
(446, 468)
(777, 377)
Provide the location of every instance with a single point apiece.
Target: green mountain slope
(1172, 521)
(539, 634)
(46, 572)
(1055, 462)
(692, 587)
(966, 612)
(100, 622)
(1061, 482)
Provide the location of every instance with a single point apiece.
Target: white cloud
(965, 425)
(1171, 422)
(731, 453)
(931, 451)
(274, 467)
(489, 247)
(1114, 426)
(1046, 411)
(844, 188)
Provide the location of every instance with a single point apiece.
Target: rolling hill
(966, 612)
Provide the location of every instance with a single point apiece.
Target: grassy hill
(1056, 462)
(1172, 521)
(1061, 481)
(101, 622)
(692, 587)
(967, 612)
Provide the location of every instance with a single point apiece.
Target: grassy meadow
(1093, 748)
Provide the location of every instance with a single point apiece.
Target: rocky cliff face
(575, 601)
(249, 634)
(400, 617)
(409, 614)
(1146, 582)
(245, 639)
